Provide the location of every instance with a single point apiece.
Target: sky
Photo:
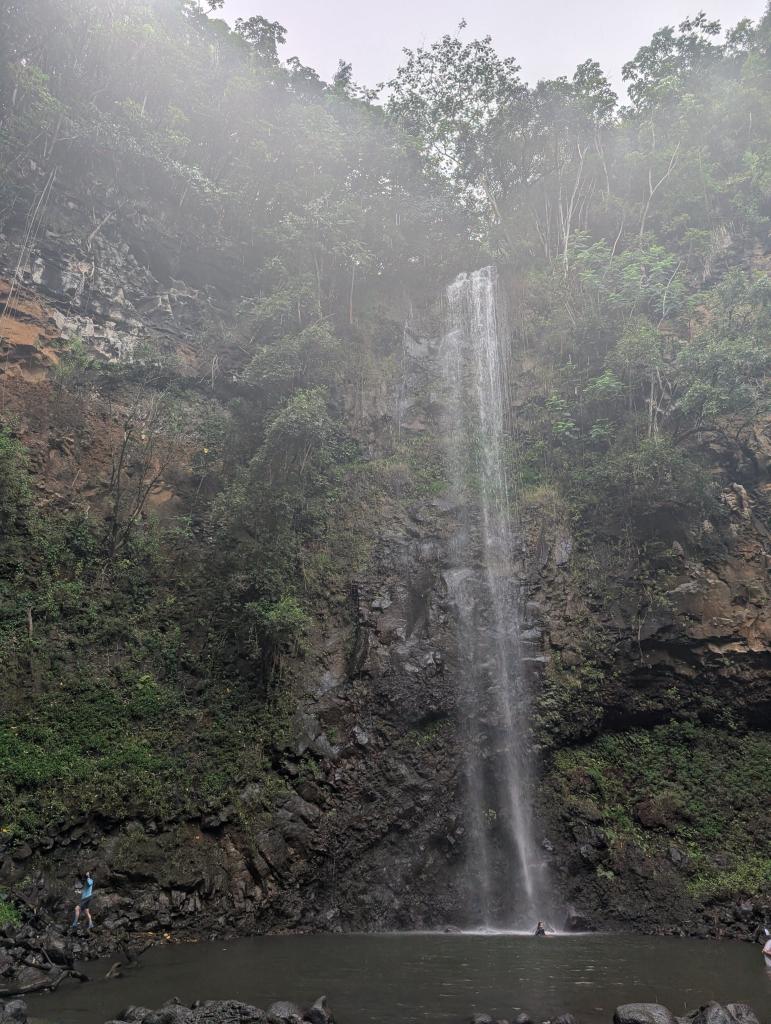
(547, 37)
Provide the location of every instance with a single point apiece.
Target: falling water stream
(435, 977)
(507, 887)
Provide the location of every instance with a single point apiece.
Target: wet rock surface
(31, 962)
(709, 1013)
(230, 1011)
(381, 808)
(647, 1013)
(210, 1011)
(643, 1013)
(375, 835)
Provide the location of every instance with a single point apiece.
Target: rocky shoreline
(230, 1011)
(649, 1013)
(32, 961)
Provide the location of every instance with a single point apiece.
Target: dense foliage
(134, 647)
(679, 791)
(635, 236)
(152, 666)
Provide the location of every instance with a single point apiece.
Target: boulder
(174, 1013)
(226, 1011)
(319, 1013)
(14, 1011)
(56, 951)
(30, 979)
(677, 856)
(714, 1013)
(134, 1014)
(742, 1013)
(643, 1013)
(282, 1012)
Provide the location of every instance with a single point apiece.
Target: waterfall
(507, 885)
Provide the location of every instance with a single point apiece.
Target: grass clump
(9, 913)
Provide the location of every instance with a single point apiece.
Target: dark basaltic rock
(578, 923)
(223, 1011)
(230, 1011)
(709, 1013)
(281, 1012)
(34, 962)
(742, 1013)
(643, 1013)
(28, 978)
(14, 1011)
(226, 1011)
(173, 1012)
(714, 1013)
(320, 1006)
(134, 1013)
(319, 1013)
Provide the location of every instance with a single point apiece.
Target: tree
(446, 96)
(264, 37)
(672, 61)
(150, 439)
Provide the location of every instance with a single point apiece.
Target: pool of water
(384, 979)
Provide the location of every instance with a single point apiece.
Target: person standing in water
(82, 907)
(539, 929)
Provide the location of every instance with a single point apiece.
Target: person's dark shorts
(84, 903)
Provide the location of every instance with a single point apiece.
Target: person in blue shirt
(82, 907)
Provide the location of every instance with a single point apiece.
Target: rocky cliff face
(655, 800)
(361, 824)
(367, 836)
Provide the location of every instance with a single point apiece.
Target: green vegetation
(103, 718)
(8, 912)
(631, 235)
(151, 668)
(569, 704)
(131, 746)
(696, 787)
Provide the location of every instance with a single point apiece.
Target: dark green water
(383, 979)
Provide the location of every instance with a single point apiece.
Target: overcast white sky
(548, 37)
